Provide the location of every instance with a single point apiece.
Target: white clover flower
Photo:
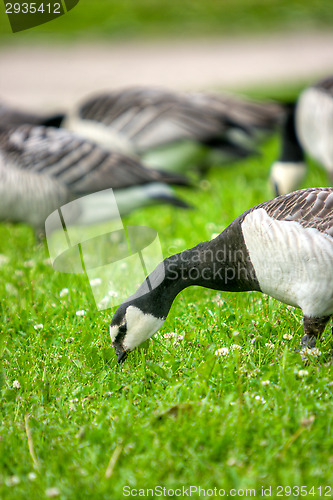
(259, 398)
(303, 373)
(39, 326)
(177, 340)
(52, 492)
(222, 351)
(13, 481)
(235, 347)
(111, 293)
(82, 312)
(265, 382)
(287, 336)
(16, 384)
(217, 300)
(254, 339)
(29, 263)
(104, 302)
(308, 421)
(3, 259)
(32, 476)
(270, 345)
(204, 184)
(11, 289)
(306, 352)
(170, 335)
(63, 292)
(95, 282)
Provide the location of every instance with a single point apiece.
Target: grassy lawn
(75, 425)
(152, 18)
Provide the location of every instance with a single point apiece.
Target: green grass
(151, 18)
(172, 415)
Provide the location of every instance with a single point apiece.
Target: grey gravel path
(44, 77)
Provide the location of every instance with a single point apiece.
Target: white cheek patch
(140, 327)
(113, 332)
(293, 264)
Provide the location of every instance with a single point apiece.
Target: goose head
(130, 326)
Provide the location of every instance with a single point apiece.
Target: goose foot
(308, 341)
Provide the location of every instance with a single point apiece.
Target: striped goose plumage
(148, 121)
(41, 168)
(308, 128)
(283, 247)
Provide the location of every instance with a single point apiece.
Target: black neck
(291, 150)
(221, 264)
(53, 121)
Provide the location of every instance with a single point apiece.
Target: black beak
(120, 353)
(121, 357)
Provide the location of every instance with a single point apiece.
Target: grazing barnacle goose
(282, 247)
(171, 130)
(308, 127)
(42, 168)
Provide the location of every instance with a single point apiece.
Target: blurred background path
(46, 76)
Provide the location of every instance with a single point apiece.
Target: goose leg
(313, 328)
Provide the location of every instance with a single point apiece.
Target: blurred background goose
(308, 128)
(174, 130)
(42, 168)
(166, 129)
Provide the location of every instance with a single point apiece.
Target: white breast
(293, 264)
(107, 137)
(26, 196)
(314, 118)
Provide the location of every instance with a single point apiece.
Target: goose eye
(122, 330)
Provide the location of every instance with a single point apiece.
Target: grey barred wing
(312, 208)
